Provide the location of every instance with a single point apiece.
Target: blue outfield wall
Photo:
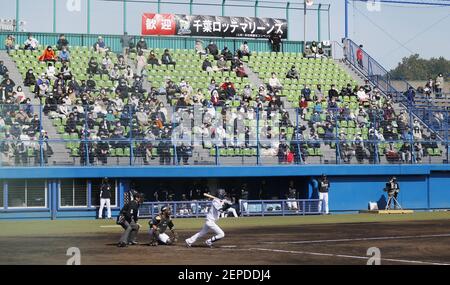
(350, 193)
(423, 187)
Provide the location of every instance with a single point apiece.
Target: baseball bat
(210, 196)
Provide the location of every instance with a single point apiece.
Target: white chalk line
(111, 226)
(348, 256)
(357, 239)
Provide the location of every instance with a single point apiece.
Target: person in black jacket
(275, 41)
(105, 198)
(102, 150)
(213, 50)
(167, 58)
(183, 153)
(164, 151)
(30, 79)
(62, 42)
(128, 218)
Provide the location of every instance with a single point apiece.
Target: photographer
(392, 189)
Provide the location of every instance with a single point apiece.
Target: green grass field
(75, 227)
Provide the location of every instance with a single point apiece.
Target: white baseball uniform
(211, 217)
(164, 238)
(323, 207)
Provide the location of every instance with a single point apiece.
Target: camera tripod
(396, 203)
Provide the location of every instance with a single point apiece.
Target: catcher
(158, 228)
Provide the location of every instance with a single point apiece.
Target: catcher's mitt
(174, 237)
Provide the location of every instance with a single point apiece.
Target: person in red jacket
(359, 56)
(303, 105)
(228, 88)
(48, 55)
(240, 71)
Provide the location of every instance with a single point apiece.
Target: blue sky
(388, 35)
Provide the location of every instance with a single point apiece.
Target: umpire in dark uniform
(128, 218)
(105, 198)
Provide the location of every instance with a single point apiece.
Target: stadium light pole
(256, 8)
(124, 16)
(223, 7)
(191, 3)
(318, 23)
(304, 26)
(288, 4)
(17, 15)
(346, 19)
(54, 16)
(88, 17)
(159, 6)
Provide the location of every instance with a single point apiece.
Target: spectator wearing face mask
(62, 42)
(167, 58)
(141, 63)
(141, 45)
(31, 43)
(292, 73)
(48, 55)
(9, 43)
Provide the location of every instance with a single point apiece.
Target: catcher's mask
(221, 193)
(140, 196)
(165, 210)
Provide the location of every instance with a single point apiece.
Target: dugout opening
(259, 188)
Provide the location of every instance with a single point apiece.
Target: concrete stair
(61, 154)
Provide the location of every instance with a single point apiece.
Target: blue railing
(381, 78)
(196, 209)
(263, 140)
(113, 41)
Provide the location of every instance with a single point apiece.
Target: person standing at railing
(275, 41)
(9, 43)
(439, 85)
(291, 197)
(125, 40)
(359, 56)
(243, 199)
(410, 94)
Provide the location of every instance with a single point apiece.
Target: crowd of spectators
(20, 125)
(110, 117)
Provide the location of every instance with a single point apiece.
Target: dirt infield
(412, 242)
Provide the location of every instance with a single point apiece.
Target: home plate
(228, 246)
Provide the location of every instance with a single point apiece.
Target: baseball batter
(218, 206)
(158, 228)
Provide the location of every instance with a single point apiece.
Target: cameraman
(392, 189)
